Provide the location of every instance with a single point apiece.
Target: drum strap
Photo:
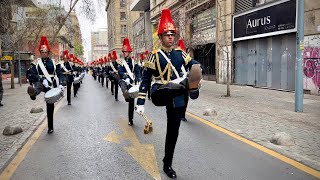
(44, 70)
(126, 66)
(64, 68)
(112, 67)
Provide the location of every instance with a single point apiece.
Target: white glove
(139, 109)
(45, 83)
(127, 81)
(61, 87)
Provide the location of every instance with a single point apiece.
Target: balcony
(140, 5)
(26, 3)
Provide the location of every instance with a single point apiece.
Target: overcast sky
(85, 25)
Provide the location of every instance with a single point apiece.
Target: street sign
(6, 58)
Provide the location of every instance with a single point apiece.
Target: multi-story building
(195, 22)
(264, 43)
(99, 44)
(120, 20)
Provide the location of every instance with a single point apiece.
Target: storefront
(265, 46)
(203, 30)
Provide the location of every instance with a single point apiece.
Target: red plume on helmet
(105, 59)
(126, 45)
(166, 23)
(66, 54)
(181, 44)
(44, 45)
(109, 56)
(114, 55)
(147, 52)
(71, 56)
(142, 56)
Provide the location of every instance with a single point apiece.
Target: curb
(19, 143)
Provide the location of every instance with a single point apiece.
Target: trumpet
(148, 126)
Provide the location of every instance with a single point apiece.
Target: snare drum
(134, 91)
(53, 95)
(76, 80)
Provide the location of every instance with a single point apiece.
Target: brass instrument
(148, 126)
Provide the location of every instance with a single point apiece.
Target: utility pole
(299, 58)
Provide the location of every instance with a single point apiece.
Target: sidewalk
(16, 111)
(257, 114)
(253, 113)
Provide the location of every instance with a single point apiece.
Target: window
(122, 38)
(122, 3)
(123, 16)
(124, 29)
(141, 14)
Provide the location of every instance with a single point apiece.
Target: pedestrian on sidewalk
(42, 74)
(1, 87)
(170, 87)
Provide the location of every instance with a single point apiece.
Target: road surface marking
(257, 146)
(144, 154)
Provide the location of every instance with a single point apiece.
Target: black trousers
(102, 81)
(107, 82)
(1, 89)
(186, 100)
(173, 125)
(130, 109)
(50, 107)
(94, 76)
(99, 77)
(69, 84)
(50, 111)
(114, 88)
(149, 93)
(75, 89)
(124, 87)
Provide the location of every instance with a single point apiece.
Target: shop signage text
(271, 20)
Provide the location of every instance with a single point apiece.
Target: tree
(78, 49)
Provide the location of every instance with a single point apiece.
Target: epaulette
(186, 57)
(151, 59)
(178, 49)
(154, 51)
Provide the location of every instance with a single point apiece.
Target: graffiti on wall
(311, 66)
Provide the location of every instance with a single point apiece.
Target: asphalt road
(92, 141)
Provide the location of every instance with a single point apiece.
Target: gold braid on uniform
(185, 56)
(162, 73)
(150, 63)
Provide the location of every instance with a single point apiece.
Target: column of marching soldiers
(167, 76)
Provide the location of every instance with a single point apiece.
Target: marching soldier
(127, 77)
(42, 75)
(75, 68)
(114, 75)
(68, 74)
(170, 86)
(106, 71)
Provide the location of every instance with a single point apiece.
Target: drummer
(127, 77)
(113, 71)
(68, 73)
(42, 74)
